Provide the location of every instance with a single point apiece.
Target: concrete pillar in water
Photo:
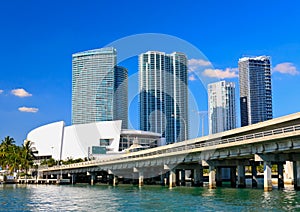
(141, 178)
(93, 178)
(219, 177)
(212, 177)
(254, 175)
(267, 176)
(241, 176)
(280, 175)
(233, 176)
(182, 177)
(172, 179)
(73, 176)
(198, 176)
(296, 171)
(115, 180)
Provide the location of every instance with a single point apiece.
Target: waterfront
(148, 198)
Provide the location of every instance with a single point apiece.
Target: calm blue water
(130, 198)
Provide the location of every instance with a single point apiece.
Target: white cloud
(20, 92)
(222, 74)
(286, 68)
(1, 91)
(195, 64)
(28, 109)
(192, 77)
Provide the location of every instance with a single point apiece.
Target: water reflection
(148, 198)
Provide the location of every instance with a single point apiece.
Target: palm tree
(27, 155)
(6, 151)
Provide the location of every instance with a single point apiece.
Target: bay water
(148, 198)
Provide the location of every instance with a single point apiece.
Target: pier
(230, 156)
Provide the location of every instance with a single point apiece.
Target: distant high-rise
(164, 94)
(255, 89)
(95, 87)
(221, 107)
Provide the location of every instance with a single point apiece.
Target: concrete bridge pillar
(267, 176)
(141, 178)
(93, 178)
(73, 179)
(172, 179)
(296, 165)
(198, 176)
(219, 176)
(115, 180)
(241, 176)
(212, 177)
(233, 176)
(254, 175)
(181, 177)
(280, 175)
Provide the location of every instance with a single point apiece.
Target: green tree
(27, 156)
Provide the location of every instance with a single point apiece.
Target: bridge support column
(73, 179)
(181, 174)
(254, 175)
(241, 176)
(93, 178)
(219, 177)
(233, 176)
(267, 176)
(115, 180)
(212, 177)
(172, 179)
(198, 176)
(280, 175)
(141, 178)
(296, 165)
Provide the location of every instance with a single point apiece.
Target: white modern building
(163, 97)
(87, 140)
(221, 106)
(99, 87)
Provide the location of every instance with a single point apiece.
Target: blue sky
(38, 38)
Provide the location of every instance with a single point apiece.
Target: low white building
(85, 140)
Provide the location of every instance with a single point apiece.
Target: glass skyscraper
(95, 82)
(163, 94)
(255, 89)
(221, 106)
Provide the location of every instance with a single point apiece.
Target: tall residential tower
(164, 94)
(255, 89)
(221, 107)
(98, 87)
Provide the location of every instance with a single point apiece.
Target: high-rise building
(255, 89)
(221, 106)
(96, 90)
(163, 96)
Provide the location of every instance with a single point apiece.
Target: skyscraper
(95, 83)
(221, 106)
(255, 89)
(164, 94)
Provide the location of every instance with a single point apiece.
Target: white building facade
(91, 140)
(221, 107)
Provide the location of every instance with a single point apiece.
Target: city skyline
(36, 49)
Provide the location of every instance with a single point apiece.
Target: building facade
(255, 89)
(95, 88)
(221, 107)
(163, 96)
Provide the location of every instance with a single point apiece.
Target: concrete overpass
(271, 142)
